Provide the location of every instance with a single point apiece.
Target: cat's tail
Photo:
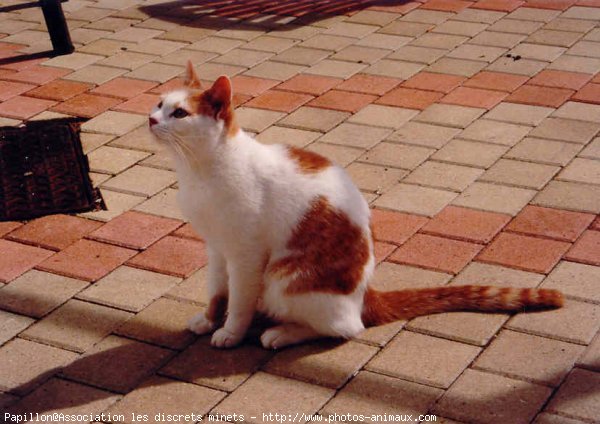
(383, 307)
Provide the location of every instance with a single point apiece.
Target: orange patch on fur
(329, 252)
(216, 309)
(308, 162)
(383, 307)
(204, 104)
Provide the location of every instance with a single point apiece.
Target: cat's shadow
(58, 389)
(257, 15)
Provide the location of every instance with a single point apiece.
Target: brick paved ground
(470, 126)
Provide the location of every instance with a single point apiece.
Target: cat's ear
(191, 78)
(220, 95)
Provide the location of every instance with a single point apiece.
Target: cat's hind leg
(287, 334)
(207, 322)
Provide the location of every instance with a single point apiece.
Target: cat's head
(195, 118)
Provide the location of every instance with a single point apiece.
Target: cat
(287, 233)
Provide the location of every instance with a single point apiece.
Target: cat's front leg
(207, 322)
(244, 289)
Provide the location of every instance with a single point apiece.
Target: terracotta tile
(18, 258)
(560, 79)
(8, 226)
(164, 323)
(59, 90)
(395, 227)
(171, 85)
(550, 4)
(10, 89)
(135, 230)
(342, 100)
(410, 98)
(474, 97)
(496, 81)
(382, 250)
(124, 88)
(446, 5)
(424, 359)
(499, 5)
(436, 253)
(86, 105)
(117, 364)
(577, 397)
(187, 231)
(149, 397)
(141, 104)
(444, 83)
(76, 325)
(596, 224)
(39, 74)
(58, 396)
(523, 252)
(588, 94)
(37, 293)
(369, 84)
(310, 84)
(265, 392)
(251, 86)
(466, 224)
(27, 364)
(54, 232)
(222, 369)
(87, 260)
(368, 388)
(552, 223)
(311, 362)
(586, 249)
(540, 96)
(20, 107)
(281, 101)
(541, 360)
(172, 255)
(478, 396)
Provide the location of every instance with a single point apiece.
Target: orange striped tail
(383, 307)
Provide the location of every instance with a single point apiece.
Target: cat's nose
(152, 121)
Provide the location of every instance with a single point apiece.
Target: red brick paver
(586, 249)
(173, 256)
(523, 252)
(436, 253)
(552, 223)
(466, 224)
(87, 260)
(55, 232)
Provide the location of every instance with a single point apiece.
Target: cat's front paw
(223, 338)
(200, 325)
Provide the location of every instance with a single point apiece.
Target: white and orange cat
(287, 233)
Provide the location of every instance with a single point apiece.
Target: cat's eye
(160, 105)
(179, 113)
